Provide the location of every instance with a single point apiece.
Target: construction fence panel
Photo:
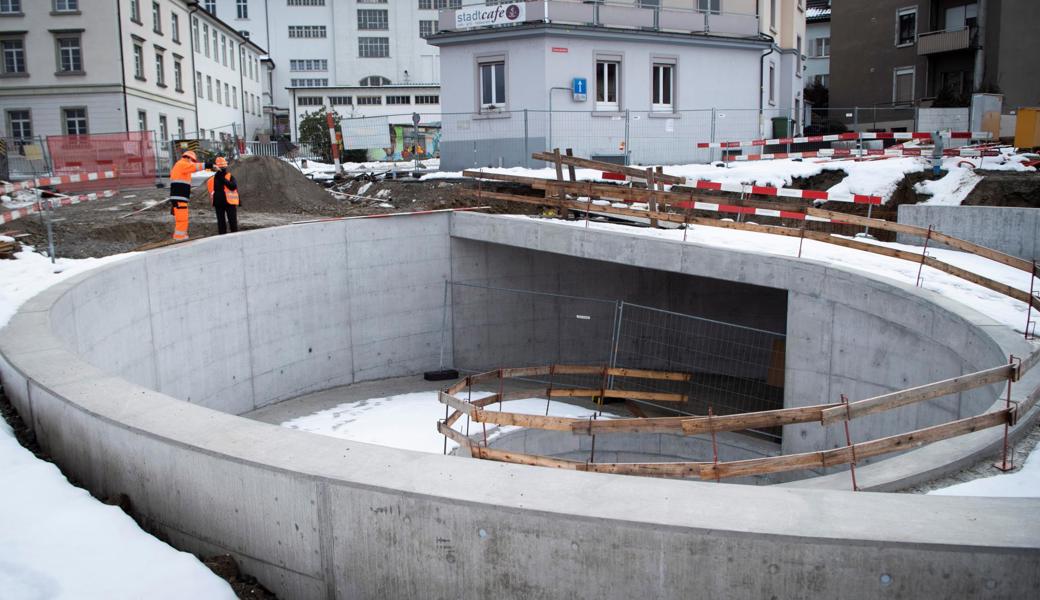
(24, 158)
(132, 155)
(365, 132)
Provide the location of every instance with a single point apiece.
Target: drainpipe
(122, 67)
(762, 83)
(980, 52)
(242, 87)
(194, 87)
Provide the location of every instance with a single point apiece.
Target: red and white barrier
(7, 188)
(750, 210)
(763, 190)
(25, 211)
(840, 137)
(843, 153)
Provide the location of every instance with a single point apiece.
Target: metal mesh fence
(733, 368)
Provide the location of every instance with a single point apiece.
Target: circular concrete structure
(132, 376)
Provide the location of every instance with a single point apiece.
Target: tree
(314, 132)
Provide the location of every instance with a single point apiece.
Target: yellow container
(1027, 127)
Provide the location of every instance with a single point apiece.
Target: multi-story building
(626, 80)
(228, 79)
(62, 73)
(903, 52)
(341, 48)
(818, 42)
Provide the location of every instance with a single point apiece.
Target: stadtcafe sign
(485, 16)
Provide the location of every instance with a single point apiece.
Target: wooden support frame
(605, 166)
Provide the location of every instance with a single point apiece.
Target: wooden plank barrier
(755, 420)
(586, 163)
(608, 393)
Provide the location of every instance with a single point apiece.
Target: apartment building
(636, 69)
(909, 52)
(341, 48)
(228, 80)
(818, 42)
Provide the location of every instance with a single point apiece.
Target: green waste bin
(782, 126)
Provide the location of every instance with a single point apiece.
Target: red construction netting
(131, 155)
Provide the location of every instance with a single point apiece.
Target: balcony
(616, 14)
(935, 42)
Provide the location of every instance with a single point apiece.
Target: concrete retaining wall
(319, 517)
(1014, 231)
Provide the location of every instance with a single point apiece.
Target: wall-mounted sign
(560, 50)
(580, 89)
(485, 16)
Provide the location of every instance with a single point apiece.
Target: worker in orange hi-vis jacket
(180, 191)
(223, 193)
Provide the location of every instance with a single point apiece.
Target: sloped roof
(818, 10)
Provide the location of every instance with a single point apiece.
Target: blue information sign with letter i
(580, 88)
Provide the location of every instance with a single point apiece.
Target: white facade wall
(302, 100)
(104, 110)
(231, 76)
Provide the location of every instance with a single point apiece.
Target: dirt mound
(267, 184)
(1006, 188)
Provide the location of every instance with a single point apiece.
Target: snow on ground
(1023, 483)
(56, 541)
(409, 421)
(321, 171)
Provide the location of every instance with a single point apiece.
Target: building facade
(636, 81)
(909, 52)
(818, 42)
(340, 48)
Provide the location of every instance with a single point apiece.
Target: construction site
(583, 379)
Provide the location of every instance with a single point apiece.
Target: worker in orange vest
(180, 191)
(223, 193)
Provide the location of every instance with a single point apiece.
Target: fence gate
(734, 368)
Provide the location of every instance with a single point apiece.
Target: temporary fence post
(924, 253)
(592, 449)
(714, 445)
(801, 238)
(1032, 296)
(158, 166)
(849, 444)
(46, 218)
(1004, 464)
(549, 390)
(628, 146)
(711, 152)
(469, 399)
(527, 152)
(445, 424)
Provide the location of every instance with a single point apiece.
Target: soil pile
(1006, 188)
(267, 184)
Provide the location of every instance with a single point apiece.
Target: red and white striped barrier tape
(839, 137)
(763, 190)
(44, 181)
(25, 211)
(841, 152)
(749, 210)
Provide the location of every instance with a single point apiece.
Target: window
(205, 39)
(175, 28)
(903, 85)
(399, 99)
(223, 49)
(75, 121)
(439, 4)
(66, 5)
(906, 26)
(164, 130)
(10, 6)
(209, 88)
(243, 33)
(231, 53)
(711, 6)
(821, 47)
(373, 47)
(250, 61)
(493, 84)
(210, 6)
(216, 58)
(430, 99)
(217, 81)
(308, 83)
(821, 79)
(663, 81)
(135, 11)
(195, 35)
(198, 84)
(772, 14)
(156, 18)
(305, 3)
(608, 84)
(142, 120)
(772, 83)
(371, 1)
(138, 62)
(234, 97)
(14, 56)
(309, 101)
(369, 100)
(19, 124)
(368, 19)
(70, 56)
(374, 81)
(307, 31)
(180, 128)
(242, 8)
(178, 76)
(227, 94)
(160, 69)
(959, 17)
(798, 58)
(340, 100)
(308, 64)
(427, 28)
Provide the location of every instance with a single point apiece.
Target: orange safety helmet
(221, 162)
(189, 154)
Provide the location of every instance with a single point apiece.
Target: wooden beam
(455, 436)
(578, 369)
(647, 374)
(605, 166)
(628, 394)
(754, 420)
(679, 470)
(525, 420)
(920, 393)
(525, 371)
(459, 405)
(525, 459)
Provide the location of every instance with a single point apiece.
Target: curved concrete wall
(239, 321)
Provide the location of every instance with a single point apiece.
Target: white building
(228, 79)
(629, 81)
(341, 47)
(818, 36)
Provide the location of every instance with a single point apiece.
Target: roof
(817, 10)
